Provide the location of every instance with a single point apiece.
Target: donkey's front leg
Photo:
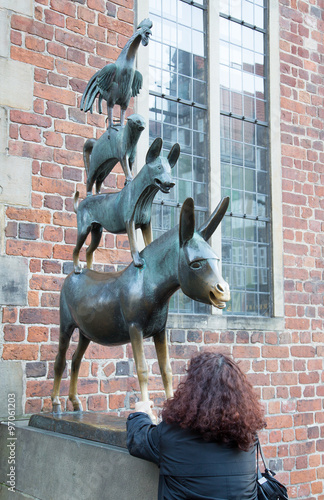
(162, 352)
(136, 336)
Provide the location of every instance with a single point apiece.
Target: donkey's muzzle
(220, 294)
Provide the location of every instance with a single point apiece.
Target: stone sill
(218, 322)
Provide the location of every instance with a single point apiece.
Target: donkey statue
(131, 305)
(127, 210)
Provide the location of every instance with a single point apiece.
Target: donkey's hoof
(77, 269)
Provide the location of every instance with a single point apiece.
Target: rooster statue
(118, 82)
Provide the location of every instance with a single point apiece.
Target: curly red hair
(218, 401)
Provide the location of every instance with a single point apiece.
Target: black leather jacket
(191, 468)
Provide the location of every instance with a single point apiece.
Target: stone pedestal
(51, 465)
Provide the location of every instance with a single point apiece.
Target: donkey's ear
(187, 221)
(154, 150)
(207, 229)
(174, 155)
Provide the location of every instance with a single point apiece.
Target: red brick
(115, 25)
(46, 283)
(73, 174)
(30, 133)
(35, 44)
(279, 421)
(28, 231)
(50, 300)
(284, 379)
(76, 25)
(107, 52)
(55, 110)
(63, 252)
(73, 128)
(86, 14)
(96, 351)
(33, 299)
(76, 41)
(53, 186)
(23, 117)
(39, 106)
(54, 18)
(29, 249)
(14, 333)
(33, 27)
(112, 256)
(303, 351)
(37, 334)
(118, 384)
(116, 401)
(24, 214)
(51, 170)
(29, 57)
(303, 476)
(126, 15)
(97, 403)
(97, 33)
(37, 315)
(57, 80)
(53, 139)
(15, 37)
(48, 352)
(87, 386)
(246, 352)
(30, 150)
(22, 352)
(56, 49)
(67, 8)
(33, 406)
(109, 369)
(54, 94)
(54, 234)
(44, 388)
(68, 158)
(72, 69)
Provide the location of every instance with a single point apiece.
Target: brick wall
(64, 42)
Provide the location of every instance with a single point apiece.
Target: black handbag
(268, 487)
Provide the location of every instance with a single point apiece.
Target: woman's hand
(144, 406)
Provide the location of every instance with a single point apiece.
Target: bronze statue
(118, 82)
(127, 210)
(115, 145)
(130, 305)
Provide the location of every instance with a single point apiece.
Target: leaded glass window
(178, 113)
(244, 156)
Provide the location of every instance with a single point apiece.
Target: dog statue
(127, 210)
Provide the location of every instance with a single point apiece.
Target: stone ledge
(52, 465)
(94, 426)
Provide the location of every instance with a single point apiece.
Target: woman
(205, 444)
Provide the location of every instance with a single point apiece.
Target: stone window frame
(216, 320)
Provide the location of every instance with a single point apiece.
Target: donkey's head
(199, 276)
(158, 169)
